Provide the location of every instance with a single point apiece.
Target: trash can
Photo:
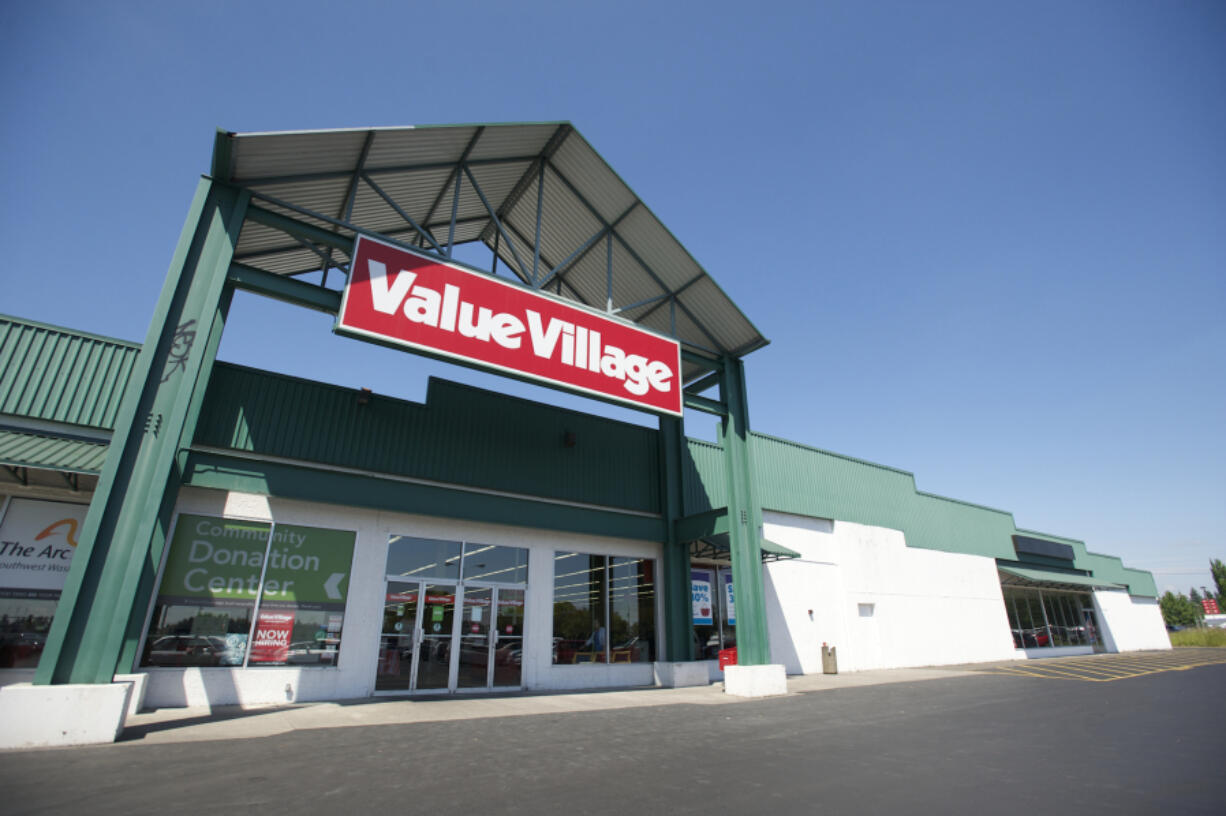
(727, 657)
(830, 661)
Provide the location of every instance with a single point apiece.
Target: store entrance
(441, 637)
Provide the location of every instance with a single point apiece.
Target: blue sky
(986, 240)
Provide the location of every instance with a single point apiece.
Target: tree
(1219, 577)
(1178, 610)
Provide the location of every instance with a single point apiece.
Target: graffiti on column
(180, 349)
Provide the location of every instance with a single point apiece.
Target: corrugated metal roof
(416, 168)
(57, 375)
(49, 453)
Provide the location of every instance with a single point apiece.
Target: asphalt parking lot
(971, 742)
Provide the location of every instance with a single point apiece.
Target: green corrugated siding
(34, 450)
(461, 435)
(1107, 567)
(59, 375)
(794, 478)
(797, 479)
(467, 436)
(704, 477)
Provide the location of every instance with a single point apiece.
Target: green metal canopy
(719, 545)
(1026, 577)
(50, 453)
(551, 210)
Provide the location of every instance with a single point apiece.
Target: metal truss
(522, 254)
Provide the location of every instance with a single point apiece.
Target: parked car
(187, 650)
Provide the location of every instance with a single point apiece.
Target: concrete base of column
(755, 681)
(43, 716)
(140, 683)
(678, 675)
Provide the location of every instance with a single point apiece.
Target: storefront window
(504, 565)
(37, 541)
(410, 557)
(579, 631)
(243, 593)
(603, 609)
(632, 600)
(714, 611)
(1049, 618)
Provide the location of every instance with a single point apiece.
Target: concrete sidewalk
(173, 725)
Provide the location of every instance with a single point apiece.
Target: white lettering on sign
(579, 347)
(410, 299)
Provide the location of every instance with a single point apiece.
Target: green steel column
(210, 340)
(678, 632)
(744, 521)
(121, 544)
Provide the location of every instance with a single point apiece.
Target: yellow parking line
(1108, 668)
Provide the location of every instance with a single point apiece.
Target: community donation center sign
(225, 561)
(408, 299)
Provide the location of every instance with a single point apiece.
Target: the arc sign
(408, 299)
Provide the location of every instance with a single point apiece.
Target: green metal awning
(708, 536)
(770, 548)
(27, 450)
(719, 545)
(1049, 579)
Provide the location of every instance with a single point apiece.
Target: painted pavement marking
(1107, 668)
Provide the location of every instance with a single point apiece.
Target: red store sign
(407, 299)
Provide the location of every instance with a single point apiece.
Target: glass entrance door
(508, 640)
(437, 625)
(452, 616)
(474, 638)
(399, 637)
(491, 638)
(424, 646)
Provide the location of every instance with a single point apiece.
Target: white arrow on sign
(332, 586)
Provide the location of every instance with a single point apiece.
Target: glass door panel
(1090, 622)
(509, 638)
(397, 637)
(437, 620)
(474, 638)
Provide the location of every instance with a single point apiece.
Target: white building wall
(881, 604)
(354, 675)
(1130, 623)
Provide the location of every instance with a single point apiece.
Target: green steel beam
(709, 406)
(300, 229)
(136, 618)
(400, 211)
(697, 387)
(286, 290)
(745, 521)
(302, 481)
(675, 584)
(223, 152)
(124, 534)
(699, 360)
(455, 172)
(501, 233)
